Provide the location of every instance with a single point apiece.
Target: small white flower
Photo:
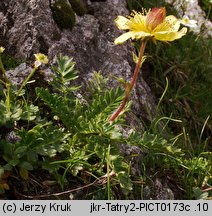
(190, 1)
(188, 22)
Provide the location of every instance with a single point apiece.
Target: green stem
(26, 80)
(132, 83)
(108, 173)
(3, 71)
(7, 84)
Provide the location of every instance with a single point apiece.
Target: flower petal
(174, 22)
(170, 23)
(141, 34)
(152, 24)
(170, 36)
(124, 37)
(122, 23)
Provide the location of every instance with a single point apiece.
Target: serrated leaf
(204, 196)
(125, 182)
(26, 165)
(29, 112)
(199, 195)
(14, 162)
(64, 73)
(8, 167)
(58, 105)
(76, 168)
(20, 151)
(17, 114)
(32, 155)
(115, 134)
(100, 151)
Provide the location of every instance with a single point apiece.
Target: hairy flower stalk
(2, 66)
(154, 25)
(132, 83)
(39, 60)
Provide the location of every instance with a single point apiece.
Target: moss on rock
(78, 6)
(63, 13)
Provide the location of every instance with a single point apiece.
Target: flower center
(155, 17)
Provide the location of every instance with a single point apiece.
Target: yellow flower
(152, 24)
(2, 49)
(40, 59)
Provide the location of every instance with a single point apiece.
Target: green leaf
(14, 162)
(29, 112)
(20, 151)
(76, 168)
(32, 155)
(100, 150)
(8, 117)
(45, 140)
(125, 182)
(199, 195)
(26, 165)
(8, 167)
(17, 114)
(58, 105)
(64, 73)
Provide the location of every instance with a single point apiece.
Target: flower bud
(2, 49)
(155, 17)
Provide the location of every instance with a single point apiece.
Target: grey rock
(31, 28)
(134, 153)
(90, 43)
(162, 191)
(147, 193)
(158, 190)
(28, 27)
(18, 75)
(3, 24)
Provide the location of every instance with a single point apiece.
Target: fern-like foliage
(64, 73)
(18, 111)
(44, 140)
(88, 117)
(85, 119)
(58, 104)
(62, 101)
(105, 103)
